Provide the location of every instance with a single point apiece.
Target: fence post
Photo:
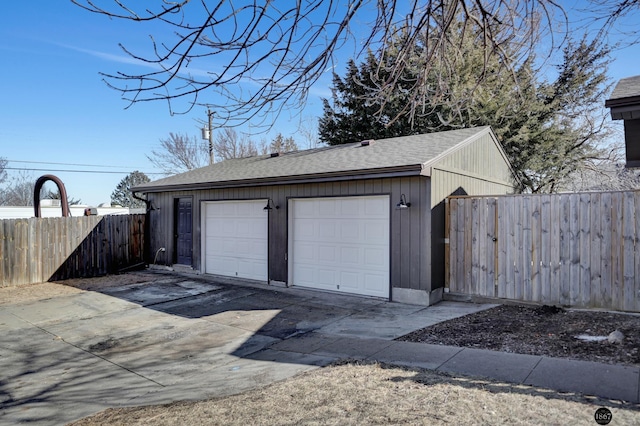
(447, 244)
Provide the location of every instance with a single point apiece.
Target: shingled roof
(625, 99)
(401, 156)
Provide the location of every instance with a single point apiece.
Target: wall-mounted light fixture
(403, 203)
(270, 205)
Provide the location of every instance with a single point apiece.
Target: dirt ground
(542, 330)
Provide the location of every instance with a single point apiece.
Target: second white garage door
(235, 242)
(340, 244)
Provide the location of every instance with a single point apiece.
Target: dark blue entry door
(184, 229)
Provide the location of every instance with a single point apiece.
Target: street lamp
(207, 134)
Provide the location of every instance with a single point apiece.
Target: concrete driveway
(179, 337)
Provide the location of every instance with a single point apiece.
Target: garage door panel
(375, 257)
(304, 228)
(350, 207)
(232, 247)
(244, 248)
(306, 274)
(257, 251)
(236, 239)
(374, 234)
(239, 247)
(227, 210)
(306, 211)
(260, 226)
(305, 252)
(349, 230)
(350, 255)
(245, 209)
(373, 283)
(244, 228)
(349, 280)
(327, 208)
(326, 254)
(250, 267)
(341, 244)
(326, 277)
(375, 209)
(222, 265)
(214, 227)
(326, 229)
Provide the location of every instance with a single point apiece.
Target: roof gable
(407, 155)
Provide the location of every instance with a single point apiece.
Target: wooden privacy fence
(49, 249)
(576, 250)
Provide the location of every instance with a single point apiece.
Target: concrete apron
(181, 338)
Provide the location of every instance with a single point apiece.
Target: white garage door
(340, 244)
(235, 242)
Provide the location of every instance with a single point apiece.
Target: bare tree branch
(3, 172)
(260, 58)
(614, 16)
(229, 144)
(179, 153)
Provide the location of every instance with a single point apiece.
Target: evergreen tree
(123, 196)
(548, 130)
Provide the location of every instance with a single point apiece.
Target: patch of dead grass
(34, 292)
(367, 393)
(107, 281)
(41, 291)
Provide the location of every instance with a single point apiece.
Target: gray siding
(478, 168)
(410, 230)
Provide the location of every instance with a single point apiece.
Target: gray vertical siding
(410, 250)
(478, 168)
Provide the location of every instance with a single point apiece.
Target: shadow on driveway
(178, 337)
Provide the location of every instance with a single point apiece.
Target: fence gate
(578, 250)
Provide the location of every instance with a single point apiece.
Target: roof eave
(398, 171)
(621, 102)
(626, 112)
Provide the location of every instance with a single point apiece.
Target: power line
(75, 171)
(64, 164)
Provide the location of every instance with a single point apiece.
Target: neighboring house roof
(400, 156)
(625, 99)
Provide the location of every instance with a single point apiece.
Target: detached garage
(365, 218)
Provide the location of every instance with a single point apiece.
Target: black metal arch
(63, 194)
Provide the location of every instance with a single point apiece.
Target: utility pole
(211, 157)
(207, 134)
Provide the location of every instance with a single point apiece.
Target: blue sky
(56, 109)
